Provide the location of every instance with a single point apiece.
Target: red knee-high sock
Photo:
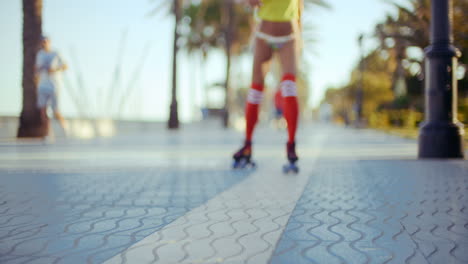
(290, 104)
(254, 99)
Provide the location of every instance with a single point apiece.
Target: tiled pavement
(361, 197)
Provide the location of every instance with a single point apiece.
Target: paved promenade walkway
(160, 197)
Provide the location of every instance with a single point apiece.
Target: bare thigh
(287, 55)
(262, 57)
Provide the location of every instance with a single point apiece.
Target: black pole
(173, 122)
(360, 90)
(441, 134)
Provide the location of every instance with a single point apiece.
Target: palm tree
(460, 26)
(32, 122)
(222, 25)
(203, 20)
(173, 122)
(408, 29)
(411, 29)
(229, 23)
(176, 10)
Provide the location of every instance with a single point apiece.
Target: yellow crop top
(279, 10)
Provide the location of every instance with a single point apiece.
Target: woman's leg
(288, 87)
(262, 56)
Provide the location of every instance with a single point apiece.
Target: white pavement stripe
(240, 225)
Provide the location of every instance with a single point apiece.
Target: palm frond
(161, 6)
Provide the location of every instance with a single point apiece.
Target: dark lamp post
(441, 134)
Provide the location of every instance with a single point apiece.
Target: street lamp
(360, 90)
(441, 134)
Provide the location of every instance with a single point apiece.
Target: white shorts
(46, 97)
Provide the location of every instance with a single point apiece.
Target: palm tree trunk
(33, 123)
(173, 122)
(229, 32)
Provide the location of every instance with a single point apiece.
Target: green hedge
(403, 118)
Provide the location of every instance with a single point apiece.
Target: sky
(88, 34)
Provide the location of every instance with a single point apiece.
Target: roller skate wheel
(290, 168)
(243, 164)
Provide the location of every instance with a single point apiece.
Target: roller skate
(291, 167)
(242, 158)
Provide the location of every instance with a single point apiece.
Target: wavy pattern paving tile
(72, 217)
(380, 212)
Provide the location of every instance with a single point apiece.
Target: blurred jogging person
(276, 33)
(48, 64)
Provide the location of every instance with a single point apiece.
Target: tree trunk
(173, 122)
(32, 123)
(229, 35)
